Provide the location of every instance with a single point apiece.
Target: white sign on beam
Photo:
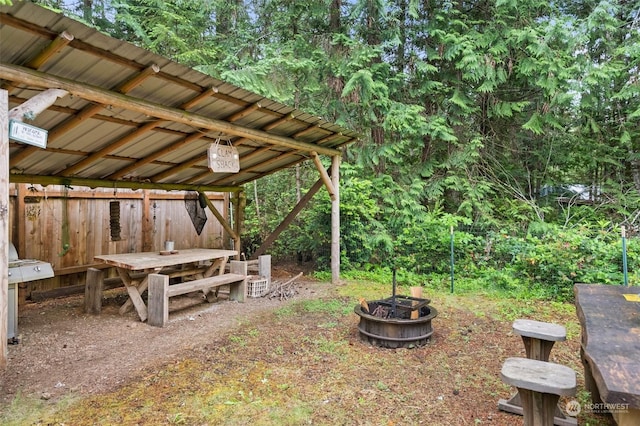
(26, 133)
(223, 158)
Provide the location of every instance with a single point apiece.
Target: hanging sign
(26, 133)
(223, 158)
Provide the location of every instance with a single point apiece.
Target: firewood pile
(283, 290)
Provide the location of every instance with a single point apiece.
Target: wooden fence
(67, 227)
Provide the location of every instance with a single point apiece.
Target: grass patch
(304, 364)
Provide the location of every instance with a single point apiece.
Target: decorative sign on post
(223, 158)
(21, 132)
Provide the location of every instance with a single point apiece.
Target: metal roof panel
(117, 137)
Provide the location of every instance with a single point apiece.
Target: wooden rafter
(153, 156)
(109, 56)
(96, 94)
(201, 133)
(259, 167)
(62, 40)
(86, 162)
(147, 127)
(84, 114)
(307, 131)
(229, 176)
(159, 177)
(243, 159)
(246, 111)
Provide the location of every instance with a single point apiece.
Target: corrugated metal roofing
(134, 116)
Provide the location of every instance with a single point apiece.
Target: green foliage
(553, 260)
(466, 115)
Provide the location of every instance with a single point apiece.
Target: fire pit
(396, 322)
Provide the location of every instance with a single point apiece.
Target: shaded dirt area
(268, 361)
(61, 349)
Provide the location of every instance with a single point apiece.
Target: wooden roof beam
(276, 123)
(266, 128)
(84, 114)
(87, 161)
(199, 98)
(96, 94)
(256, 152)
(63, 39)
(104, 183)
(139, 132)
(138, 79)
(251, 169)
(151, 157)
(177, 169)
(246, 111)
(307, 130)
(34, 106)
(229, 178)
(239, 141)
(197, 159)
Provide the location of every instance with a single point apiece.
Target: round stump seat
(539, 337)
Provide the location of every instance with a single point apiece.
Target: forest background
(499, 136)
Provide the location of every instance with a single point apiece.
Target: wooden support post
(264, 267)
(158, 300)
(335, 220)
(238, 292)
(239, 216)
(218, 216)
(325, 176)
(93, 291)
(147, 226)
(538, 407)
(4, 226)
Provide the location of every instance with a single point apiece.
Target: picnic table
(610, 349)
(134, 269)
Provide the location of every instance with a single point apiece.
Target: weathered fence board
(38, 216)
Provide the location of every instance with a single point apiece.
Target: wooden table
(610, 349)
(134, 269)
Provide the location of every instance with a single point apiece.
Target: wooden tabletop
(153, 260)
(611, 340)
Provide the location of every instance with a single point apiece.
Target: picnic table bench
(610, 349)
(135, 268)
(160, 291)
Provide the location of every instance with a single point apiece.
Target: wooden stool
(538, 337)
(540, 385)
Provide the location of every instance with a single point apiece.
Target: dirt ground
(128, 371)
(61, 349)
